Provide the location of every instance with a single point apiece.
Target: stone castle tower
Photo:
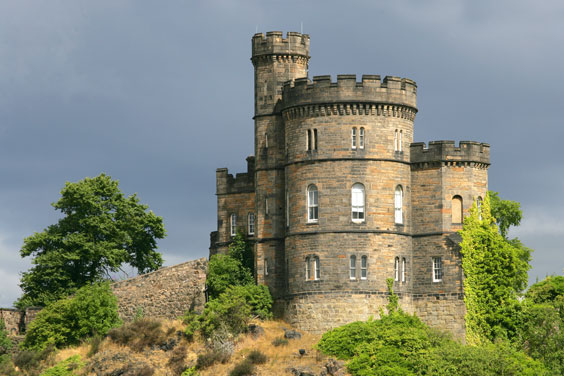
(338, 198)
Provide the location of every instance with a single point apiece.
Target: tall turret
(276, 60)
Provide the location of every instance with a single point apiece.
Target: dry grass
(278, 358)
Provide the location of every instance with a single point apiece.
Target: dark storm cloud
(159, 95)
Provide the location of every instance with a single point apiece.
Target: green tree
(100, 230)
(241, 249)
(225, 271)
(494, 270)
(92, 310)
(5, 342)
(507, 213)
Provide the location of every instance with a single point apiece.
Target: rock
(335, 367)
(300, 371)
(256, 330)
(292, 334)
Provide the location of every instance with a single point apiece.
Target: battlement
(274, 43)
(241, 183)
(371, 90)
(448, 153)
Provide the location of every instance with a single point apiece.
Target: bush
(225, 271)
(65, 368)
(177, 360)
(193, 324)
(139, 334)
(190, 372)
(257, 357)
(5, 342)
(257, 297)
(279, 341)
(6, 366)
(210, 357)
(93, 309)
(229, 311)
(245, 368)
(30, 360)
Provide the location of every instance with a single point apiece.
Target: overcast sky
(158, 94)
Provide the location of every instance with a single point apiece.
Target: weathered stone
(256, 330)
(292, 334)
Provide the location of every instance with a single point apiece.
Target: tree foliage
(507, 213)
(242, 250)
(5, 342)
(100, 230)
(494, 271)
(92, 310)
(225, 271)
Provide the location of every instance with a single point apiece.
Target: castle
(338, 198)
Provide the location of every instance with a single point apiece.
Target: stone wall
(165, 293)
(12, 320)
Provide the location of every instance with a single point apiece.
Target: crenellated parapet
(446, 153)
(294, 47)
(241, 183)
(392, 96)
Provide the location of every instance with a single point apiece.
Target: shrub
(225, 271)
(139, 334)
(257, 297)
(6, 366)
(257, 357)
(30, 360)
(229, 311)
(210, 357)
(95, 343)
(5, 342)
(245, 368)
(93, 309)
(280, 341)
(190, 372)
(193, 324)
(65, 368)
(177, 360)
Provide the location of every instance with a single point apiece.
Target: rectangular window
(363, 267)
(308, 140)
(353, 267)
(361, 138)
(403, 269)
(400, 140)
(313, 204)
(287, 209)
(251, 229)
(265, 266)
(396, 269)
(315, 139)
(354, 138)
(307, 269)
(437, 269)
(233, 224)
(316, 266)
(396, 140)
(266, 211)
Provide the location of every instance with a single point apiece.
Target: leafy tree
(100, 230)
(5, 342)
(225, 271)
(550, 290)
(229, 311)
(257, 297)
(507, 213)
(494, 270)
(92, 310)
(241, 249)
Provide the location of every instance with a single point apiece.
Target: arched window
(266, 207)
(396, 269)
(396, 141)
(352, 267)
(403, 269)
(308, 268)
(265, 266)
(251, 224)
(479, 206)
(315, 139)
(353, 136)
(316, 268)
(312, 204)
(456, 210)
(233, 224)
(398, 205)
(363, 267)
(361, 138)
(400, 140)
(308, 139)
(266, 140)
(357, 202)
